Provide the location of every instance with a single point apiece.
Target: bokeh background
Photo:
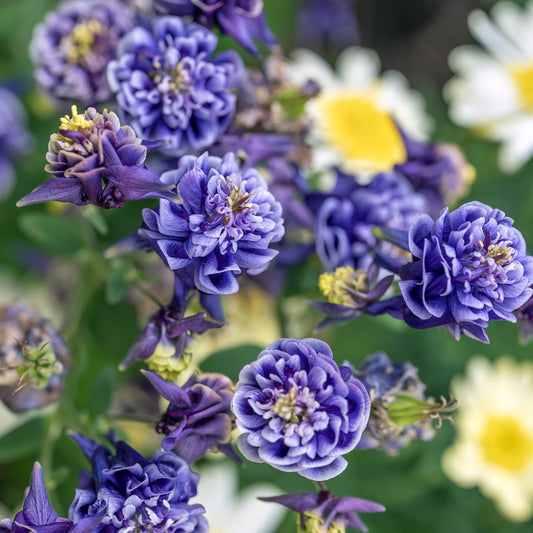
(55, 263)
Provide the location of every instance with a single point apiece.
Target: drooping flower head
(470, 266)
(170, 89)
(400, 411)
(135, 493)
(325, 513)
(15, 140)
(33, 358)
(224, 226)
(198, 417)
(345, 218)
(491, 92)
(298, 411)
(95, 160)
(493, 447)
(72, 47)
(243, 20)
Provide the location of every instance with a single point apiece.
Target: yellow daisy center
(365, 135)
(505, 443)
(523, 77)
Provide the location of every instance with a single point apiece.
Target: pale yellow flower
(494, 445)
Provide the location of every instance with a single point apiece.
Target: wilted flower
(346, 217)
(163, 341)
(493, 448)
(137, 494)
(243, 20)
(170, 89)
(198, 416)
(33, 358)
(38, 515)
(298, 411)
(491, 93)
(358, 114)
(223, 228)
(72, 47)
(400, 411)
(95, 160)
(470, 266)
(15, 140)
(325, 513)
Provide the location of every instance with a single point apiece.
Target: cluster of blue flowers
(222, 152)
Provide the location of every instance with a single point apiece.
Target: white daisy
(355, 112)
(230, 511)
(494, 445)
(493, 90)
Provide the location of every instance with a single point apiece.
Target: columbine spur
(298, 411)
(95, 160)
(72, 47)
(223, 227)
(198, 416)
(244, 20)
(135, 493)
(469, 266)
(170, 89)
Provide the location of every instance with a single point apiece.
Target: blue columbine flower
(223, 228)
(95, 160)
(38, 515)
(137, 494)
(198, 416)
(244, 20)
(346, 217)
(298, 411)
(72, 47)
(15, 141)
(326, 513)
(33, 358)
(469, 266)
(170, 89)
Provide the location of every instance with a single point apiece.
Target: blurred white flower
(493, 90)
(355, 113)
(494, 444)
(230, 511)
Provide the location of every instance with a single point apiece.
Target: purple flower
(198, 417)
(38, 515)
(298, 411)
(72, 47)
(95, 160)
(470, 266)
(243, 20)
(223, 228)
(15, 141)
(137, 494)
(324, 512)
(170, 89)
(164, 339)
(33, 358)
(346, 217)
(391, 384)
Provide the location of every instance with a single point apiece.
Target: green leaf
(23, 440)
(231, 361)
(55, 235)
(95, 218)
(102, 392)
(117, 283)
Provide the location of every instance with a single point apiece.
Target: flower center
(364, 134)
(505, 443)
(76, 122)
(336, 286)
(501, 254)
(174, 80)
(81, 40)
(522, 75)
(295, 405)
(238, 200)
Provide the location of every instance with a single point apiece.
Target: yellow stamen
(81, 40)
(333, 285)
(76, 123)
(505, 443)
(501, 254)
(365, 135)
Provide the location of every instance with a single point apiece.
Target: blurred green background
(44, 246)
